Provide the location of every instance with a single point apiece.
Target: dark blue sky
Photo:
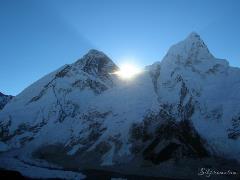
(37, 37)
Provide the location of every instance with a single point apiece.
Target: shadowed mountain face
(4, 99)
(11, 175)
(182, 110)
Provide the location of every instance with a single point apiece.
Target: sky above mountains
(37, 37)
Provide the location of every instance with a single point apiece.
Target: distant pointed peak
(193, 35)
(192, 48)
(95, 52)
(93, 55)
(96, 62)
(96, 55)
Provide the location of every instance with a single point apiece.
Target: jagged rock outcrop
(4, 99)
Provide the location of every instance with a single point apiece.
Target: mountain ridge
(184, 108)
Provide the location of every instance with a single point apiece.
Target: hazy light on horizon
(128, 71)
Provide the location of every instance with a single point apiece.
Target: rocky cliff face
(185, 107)
(4, 99)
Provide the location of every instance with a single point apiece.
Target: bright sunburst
(128, 71)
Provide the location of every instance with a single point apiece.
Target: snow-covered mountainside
(4, 99)
(184, 109)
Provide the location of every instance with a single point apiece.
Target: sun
(128, 71)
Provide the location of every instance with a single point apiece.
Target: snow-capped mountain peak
(190, 50)
(192, 56)
(96, 63)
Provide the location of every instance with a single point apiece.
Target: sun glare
(128, 71)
